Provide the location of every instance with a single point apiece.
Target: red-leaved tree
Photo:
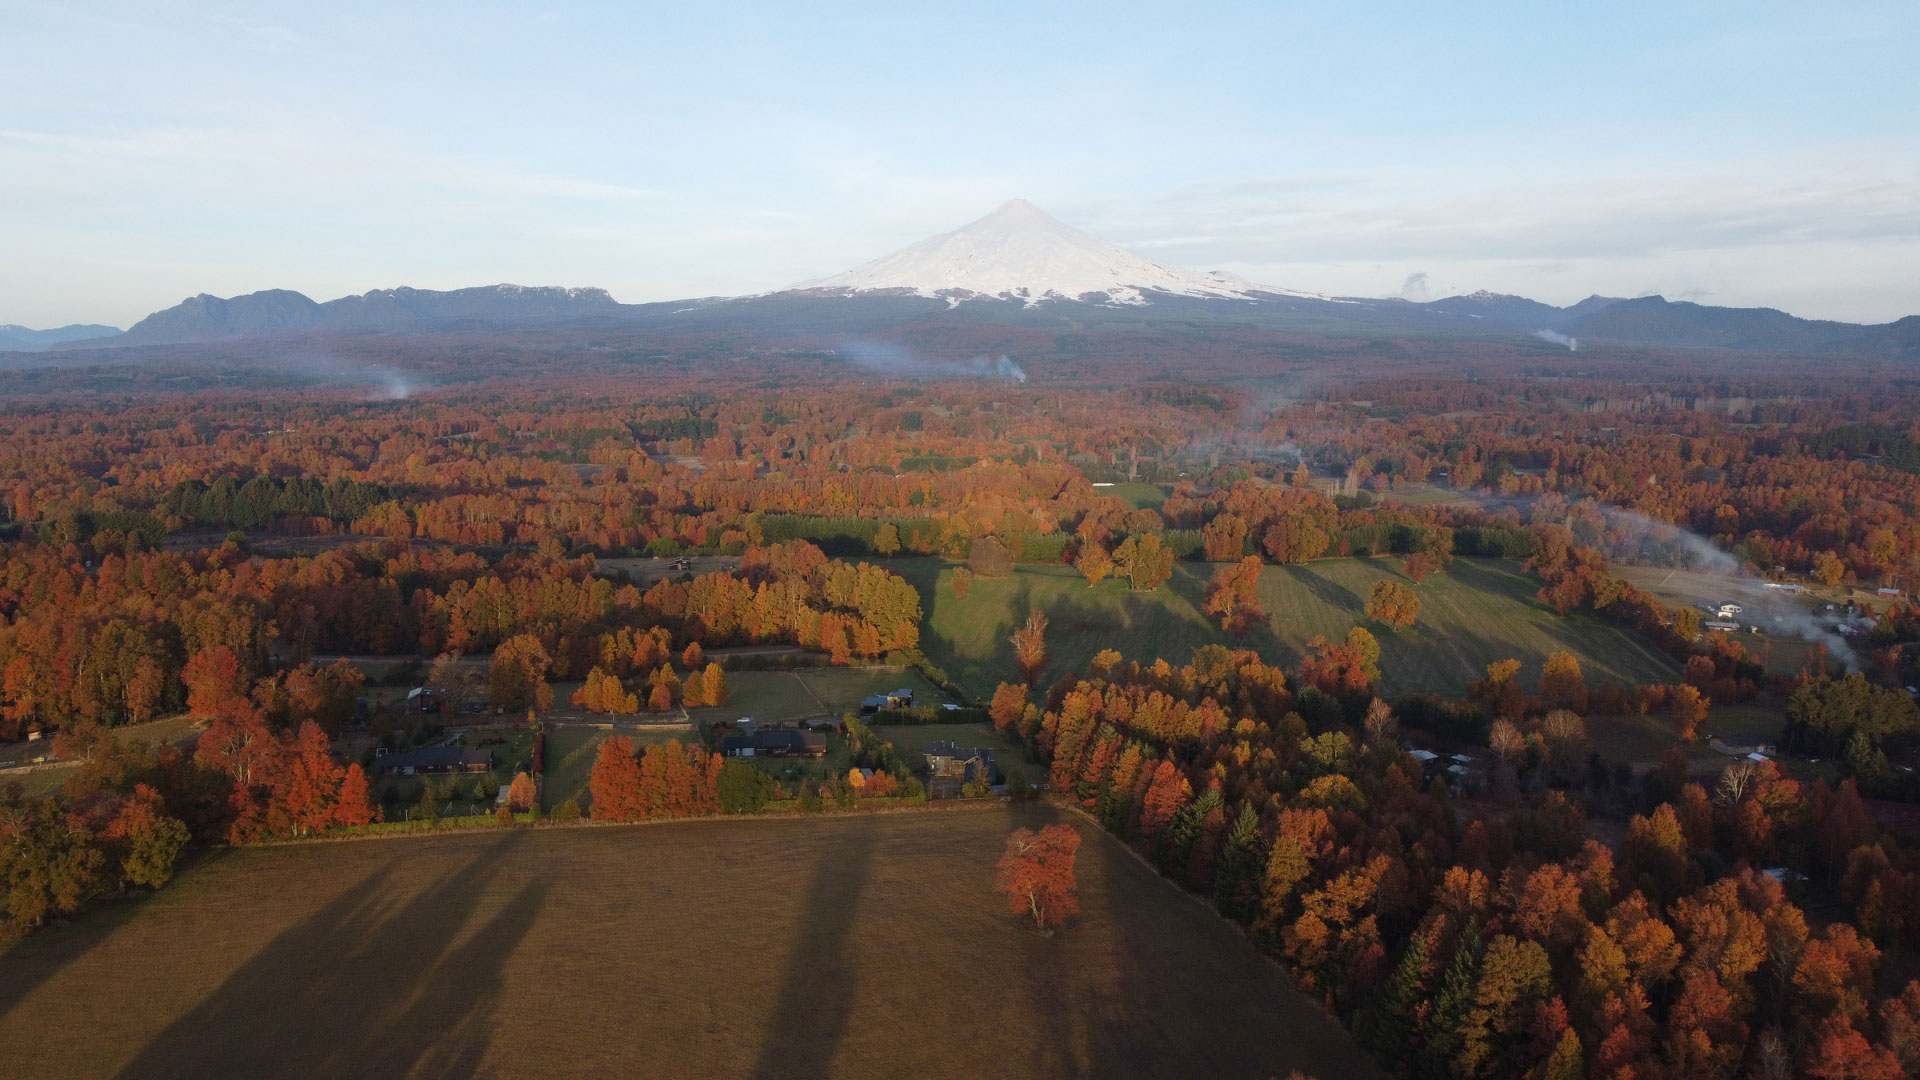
(1036, 873)
(615, 782)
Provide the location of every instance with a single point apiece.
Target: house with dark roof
(1741, 745)
(945, 761)
(435, 759)
(780, 742)
(893, 699)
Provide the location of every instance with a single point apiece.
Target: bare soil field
(837, 947)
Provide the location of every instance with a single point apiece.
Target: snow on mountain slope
(1019, 253)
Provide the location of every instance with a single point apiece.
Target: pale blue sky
(1736, 153)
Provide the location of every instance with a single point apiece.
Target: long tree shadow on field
(1108, 1018)
(816, 989)
(1191, 586)
(979, 674)
(1127, 1004)
(1325, 589)
(362, 987)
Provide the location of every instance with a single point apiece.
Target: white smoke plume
(382, 383)
(1775, 612)
(1572, 344)
(886, 358)
(390, 385)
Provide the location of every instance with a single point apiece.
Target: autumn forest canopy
(1708, 868)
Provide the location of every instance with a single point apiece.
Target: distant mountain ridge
(278, 312)
(1655, 320)
(1016, 266)
(1518, 311)
(22, 339)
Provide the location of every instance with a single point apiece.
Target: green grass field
(860, 946)
(1144, 496)
(780, 696)
(1478, 612)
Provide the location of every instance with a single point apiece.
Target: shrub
(744, 789)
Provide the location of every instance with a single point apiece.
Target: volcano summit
(1018, 252)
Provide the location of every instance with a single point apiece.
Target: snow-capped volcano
(1019, 253)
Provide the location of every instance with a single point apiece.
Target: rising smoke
(1572, 344)
(381, 382)
(886, 358)
(1776, 612)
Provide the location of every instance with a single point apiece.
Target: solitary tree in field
(1030, 645)
(1234, 595)
(1036, 873)
(1419, 565)
(961, 581)
(1393, 604)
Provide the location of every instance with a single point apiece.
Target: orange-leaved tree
(1030, 645)
(1689, 707)
(615, 782)
(1234, 595)
(521, 793)
(1036, 873)
(1393, 604)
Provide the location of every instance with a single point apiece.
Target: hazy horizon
(1764, 156)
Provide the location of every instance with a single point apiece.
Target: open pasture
(1477, 612)
(862, 946)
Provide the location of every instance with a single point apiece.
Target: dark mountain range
(1654, 320)
(1643, 321)
(1020, 269)
(269, 313)
(1518, 311)
(279, 312)
(21, 339)
(388, 309)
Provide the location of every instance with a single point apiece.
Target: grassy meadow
(1477, 612)
(860, 946)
